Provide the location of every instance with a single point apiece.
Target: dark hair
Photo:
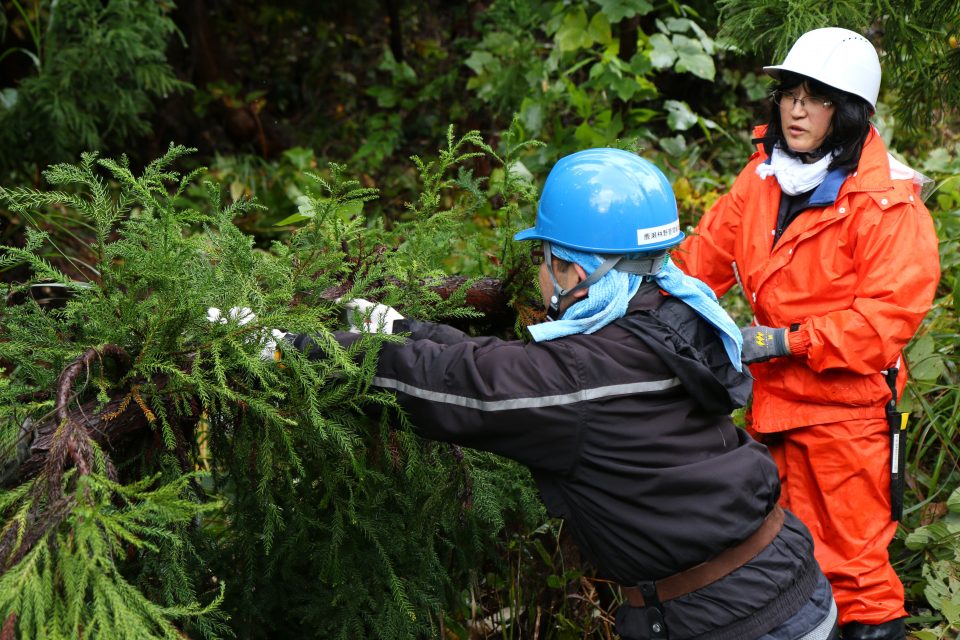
(849, 126)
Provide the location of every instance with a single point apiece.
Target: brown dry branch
(67, 435)
(115, 422)
(63, 438)
(9, 630)
(66, 438)
(72, 438)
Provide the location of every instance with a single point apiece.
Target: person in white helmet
(620, 408)
(828, 236)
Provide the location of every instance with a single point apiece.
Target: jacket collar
(827, 191)
(872, 174)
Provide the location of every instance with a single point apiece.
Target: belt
(705, 573)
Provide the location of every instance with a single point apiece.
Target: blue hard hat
(606, 201)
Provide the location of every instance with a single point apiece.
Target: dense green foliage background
(375, 149)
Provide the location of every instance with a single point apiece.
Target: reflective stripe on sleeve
(527, 403)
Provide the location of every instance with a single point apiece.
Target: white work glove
(243, 315)
(363, 315)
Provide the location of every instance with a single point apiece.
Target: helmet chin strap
(559, 293)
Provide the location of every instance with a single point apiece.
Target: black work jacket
(628, 436)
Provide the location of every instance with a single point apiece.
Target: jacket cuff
(403, 325)
(798, 342)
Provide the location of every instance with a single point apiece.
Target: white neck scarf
(793, 175)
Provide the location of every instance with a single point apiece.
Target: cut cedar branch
(66, 435)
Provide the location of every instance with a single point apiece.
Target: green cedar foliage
(98, 69)
(917, 42)
(256, 499)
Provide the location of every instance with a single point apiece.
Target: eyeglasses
(536, 253)
(788, 100)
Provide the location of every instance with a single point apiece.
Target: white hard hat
(840, 58)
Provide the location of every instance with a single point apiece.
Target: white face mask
(793, 175)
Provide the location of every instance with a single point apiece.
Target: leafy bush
(184, 483)
(568, 72)
(98, 70)
(927, 549)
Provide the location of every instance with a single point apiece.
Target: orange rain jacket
(857, 273)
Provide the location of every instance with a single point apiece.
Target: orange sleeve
(708, 254)
(898, 268)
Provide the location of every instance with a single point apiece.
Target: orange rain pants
(836, 479)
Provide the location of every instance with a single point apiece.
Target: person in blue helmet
(620, 408)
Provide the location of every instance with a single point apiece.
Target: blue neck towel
(608, 297)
